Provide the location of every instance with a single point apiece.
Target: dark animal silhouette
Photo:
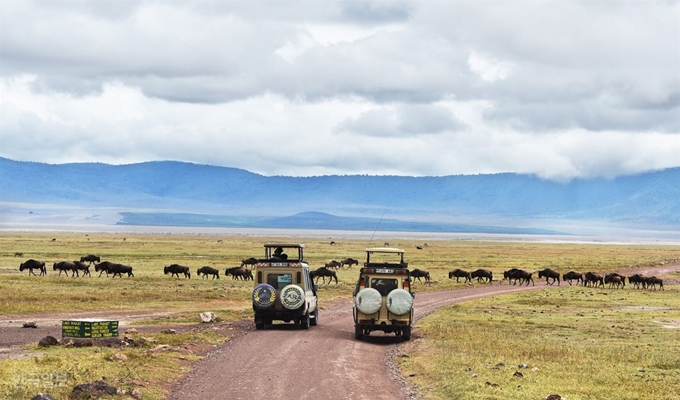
(638, 281)
(333, 264)
(615, 279)
(349, 262)
(32, 264)
(652, 281)
(592, 279)
(64, 266)
(120, 269)
(176, 269)
(205, 271)
(18, 254)
(239, 273)
(482, 274)
(103, 267)
(419, 248)
(418, 273)
(80, 266)
(332, 243)
(549, 274)
(509, 274)
(519, 275)
(324, 273)
(91, 258)
(460, 273)
(250, 262)
(571, 276)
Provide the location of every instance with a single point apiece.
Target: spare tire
(368, 301)
(292, 297)
(399, 301)
(264, 295)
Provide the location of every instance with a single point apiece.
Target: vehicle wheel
(304, 321)
(358, 333)
(406, 334)
(315, 319)
(259, 326)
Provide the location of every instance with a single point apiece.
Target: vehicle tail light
(406, 284)
(362, 283)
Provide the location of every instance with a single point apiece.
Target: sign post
(89, 328)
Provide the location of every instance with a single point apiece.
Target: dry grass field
(471, 326)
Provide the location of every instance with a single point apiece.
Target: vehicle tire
(358, 333)
(406, 334)
(368, 301)
(292, 297)
(264, 296)
(399, 301)
(304, 321)
(259, 326)
(315, 317)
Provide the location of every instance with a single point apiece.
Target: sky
(561, 89)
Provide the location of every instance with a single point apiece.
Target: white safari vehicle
(383, 300)
(283, 288)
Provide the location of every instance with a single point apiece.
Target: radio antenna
(377, 226)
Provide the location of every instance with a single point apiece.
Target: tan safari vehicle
(283, 288)
(383, 300)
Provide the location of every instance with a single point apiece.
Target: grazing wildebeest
(251, 262)
(332, 243)
(205, 271)
(419, 248)
(80, 266)
(64, 266)
(18, 254)
(176, 269)
(652, 281)
(638, 281)
(239, 273)
(573, 275)
(549, 274)
(418, 273)
(593, 278)
(324, 272)
(90, 258)
(103, 267)
(481, 274)
(120, 269)
(459, 273)
(32, 264)
(349, 262)
(615, 279)
(333, 264)
(519, 275)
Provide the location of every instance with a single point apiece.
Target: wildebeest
(594, 279)
(637, 281)
(205, 271)
(80, 266)
(615, 279)
(64, 266)
(418, 273)
(573, 275)
(90, 258)
(324, 272)
(103, 267)
(32, 264)
(519, 275)
(239, 273)
(18, 254)
(176, 269)
(459, 273)
(549, 274)
(251, 262)
(652, 281)
(482, 274)
(349, 262)
(120, 269)
(333, 264)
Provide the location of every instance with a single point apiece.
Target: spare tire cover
(292, 297)
(368, 301)
(399, 301)
(264, 295)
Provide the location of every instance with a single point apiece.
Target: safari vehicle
(383, 300)
(283, 290)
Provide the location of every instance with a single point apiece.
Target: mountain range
(174, 193)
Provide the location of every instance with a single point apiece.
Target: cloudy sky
(557, 88)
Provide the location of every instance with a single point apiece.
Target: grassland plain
(179, 300)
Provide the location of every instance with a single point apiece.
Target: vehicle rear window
(384, 286)
(279, 281)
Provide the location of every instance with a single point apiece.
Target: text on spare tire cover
(264, 295)
(291, 297)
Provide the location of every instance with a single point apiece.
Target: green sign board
(84, 328)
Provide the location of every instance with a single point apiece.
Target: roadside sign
(89, 328)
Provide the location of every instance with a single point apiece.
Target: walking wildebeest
(593, 278)
(349, 262)
(638, 281)
(418, 273)
(519, 275)
(32, 264)
(615, 279)
(239, 273)
(103, 267)
(251, 262)
(176, 269)
(549, 274)
(208, 271)
(324, 272)
(64, 266)
(120, 269)
(652, 281)
(80, 266)
(573, 275)
(482, 274)
(90, 258)
(459, 273)
(333, 264)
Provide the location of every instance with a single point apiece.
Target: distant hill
(168, 192)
